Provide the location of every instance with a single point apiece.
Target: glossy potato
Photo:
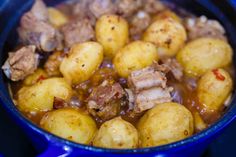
(213, 89)
(165, 123)
(204, 54)
(83, 59)
(56, 17)
(112, 32)
(116, 133)
(167, 34)
(134, 56)
(40, 96)
(166, 14)
(70, 124)
(37, 76)
(199, 123)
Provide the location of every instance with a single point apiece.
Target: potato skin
(213, 89)
(38, 75)
(56, 17)
(112, 32)
(40, 96)
(81, 62)
(165, 123)
(134, 56)
(166, 14)
(70, 124)
(116, 133)
(167, 34)
(203, 54)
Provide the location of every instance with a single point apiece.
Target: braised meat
(101, 7)
(105, 100)
(35, 29)
(147, 88)
(21, 63)
(127, 8)
(139, 23)
(77, 31)
(53, 62)
(203, 27)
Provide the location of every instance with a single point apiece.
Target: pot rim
(192, 140)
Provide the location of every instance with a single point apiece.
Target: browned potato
(165, 123)
(116, 133)
(56, 17)
(38, 75)
(112, 32)
(136, 55)
(167, 34)
(213, 89)
(203, 54)
(40, 96)
(81, 62)
(70, 124)
(166, 14)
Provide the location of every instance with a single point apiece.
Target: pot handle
(55, 150)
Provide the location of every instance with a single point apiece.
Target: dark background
(13, 142)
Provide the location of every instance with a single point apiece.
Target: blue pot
(50, 145)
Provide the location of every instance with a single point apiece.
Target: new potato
(112, 32)
(166, 14)
(56, 17)
(70, 124)
(38, 75)
(203, 54)
(81, 62)
(40, 96)
(134, 56)
(167, 34)
(213, 89)
(165, 123)
(116, 133)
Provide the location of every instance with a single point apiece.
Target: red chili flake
(218, 75)
(41, 77)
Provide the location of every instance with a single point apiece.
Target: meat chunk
(174, 67)
(81, 11)
(203, 27)
(39, 10)
(37, 31)
(147, 87)
(77, 31)
(147, 99)
(146, 78)
(101, 7)
(138, 24)
(104, 101)
(127, 8)
(153, 6)
(21, 63)
(53, 63)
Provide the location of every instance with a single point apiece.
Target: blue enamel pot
(49, 145)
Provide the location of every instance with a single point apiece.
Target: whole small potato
(40, 96)
(112, 32)
(81, 62)
(56, 17)
(70, 124)
(165, 123)
(116, 133)
(213, 89)
(203, 54)
(167, 34)
(166, 14)
(38, 75)
(134, 56)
